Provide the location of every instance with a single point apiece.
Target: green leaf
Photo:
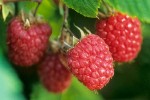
(137, 8)
(78, 90)
(27, 6)
(75, 92)
(6, 9)
(10, 85)
(5, 12)
(40, 93)
(88, 8)
(51, 13)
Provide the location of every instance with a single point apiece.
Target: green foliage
(48, 11)
(51, 13)
(76, 92)
(6, 9)
(144, 56)
(131, 80)
(146, 29)
(2, 34)
(139, 8)
(40, 93)
(10, 85)
(88, 8)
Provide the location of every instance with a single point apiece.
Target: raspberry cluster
(118, 38)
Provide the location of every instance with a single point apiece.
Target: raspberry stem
(35, 11)
(65, 39)
(101, 15)
(106, 10)
(107, 6)
(65, 24)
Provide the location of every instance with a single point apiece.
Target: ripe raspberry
(54, 76)
(122, 34)
(91, 62)
(26, 45)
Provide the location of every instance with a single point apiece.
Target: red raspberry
(91, 62)
(26, 45)
(122, 34)
(54, 76)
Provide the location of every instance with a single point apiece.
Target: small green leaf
(5, 12)
(6, 9)
(88, 8)
(11, 8)
(139, 8)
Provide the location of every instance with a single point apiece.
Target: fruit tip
(96, 92)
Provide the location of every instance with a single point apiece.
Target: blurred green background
(130, 82)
